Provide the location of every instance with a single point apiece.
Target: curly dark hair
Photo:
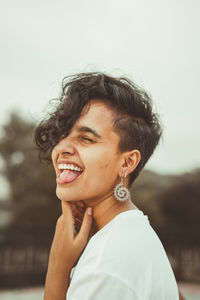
(138, 127)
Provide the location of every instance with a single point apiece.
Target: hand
(78, 211)
(68, 244)
(66, 248)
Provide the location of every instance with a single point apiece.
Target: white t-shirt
(124, 260)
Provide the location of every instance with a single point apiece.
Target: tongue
(67, 176)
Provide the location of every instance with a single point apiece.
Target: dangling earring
(121, 193)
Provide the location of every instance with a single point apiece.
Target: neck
(105, 210)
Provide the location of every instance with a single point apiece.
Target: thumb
(83, 234)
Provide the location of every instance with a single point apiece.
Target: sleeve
(98, 286)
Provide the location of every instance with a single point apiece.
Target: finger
(66, 207)
(68, 216)
(85, 228)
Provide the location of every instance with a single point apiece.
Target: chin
(64, 194)
(61, 194)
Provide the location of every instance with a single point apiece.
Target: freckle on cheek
(104, 165)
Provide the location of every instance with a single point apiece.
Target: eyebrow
(90, 130)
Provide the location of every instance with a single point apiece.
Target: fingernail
(89, 211)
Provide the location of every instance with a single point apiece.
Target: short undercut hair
(134, 121)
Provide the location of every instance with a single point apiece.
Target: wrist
(57, 270)
(56, 286)
(59, 266)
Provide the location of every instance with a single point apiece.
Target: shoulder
(128, 255)
(133, 245)
(131, 236)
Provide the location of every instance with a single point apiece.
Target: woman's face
(96, 153)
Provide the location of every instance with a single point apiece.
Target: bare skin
(65, 251)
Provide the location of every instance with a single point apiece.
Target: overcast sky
(154, 42)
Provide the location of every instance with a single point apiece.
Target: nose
(65, 146)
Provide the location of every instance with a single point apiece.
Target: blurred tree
(32, 184)
(145, 193)
(173, 208)
(181, 206)
(172, 205)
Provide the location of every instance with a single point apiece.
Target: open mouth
(68, 175)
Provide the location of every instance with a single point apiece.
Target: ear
(130, 160)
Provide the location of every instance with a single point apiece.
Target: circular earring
(121, 192)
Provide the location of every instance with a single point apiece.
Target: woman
(100, 136)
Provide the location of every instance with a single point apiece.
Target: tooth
(69, 166)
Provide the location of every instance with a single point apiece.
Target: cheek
(98, 161)
(104, 164)
(107, 166)
(100, 164)
(107, 161)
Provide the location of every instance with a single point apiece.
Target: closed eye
(87, 139)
